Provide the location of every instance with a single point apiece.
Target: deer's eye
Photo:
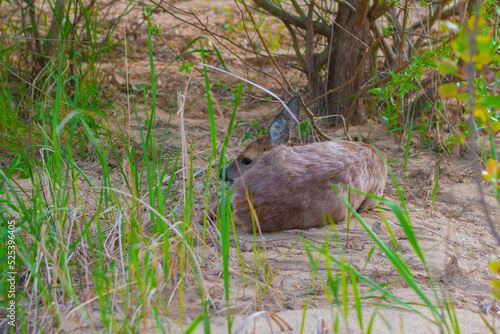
(246, 161)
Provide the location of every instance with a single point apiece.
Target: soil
(451, 226)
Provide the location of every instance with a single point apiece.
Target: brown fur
(290, 187)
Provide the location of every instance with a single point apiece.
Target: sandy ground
(454, 236)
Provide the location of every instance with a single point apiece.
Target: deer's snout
(223, 175)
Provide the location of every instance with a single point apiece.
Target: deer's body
(290, 187)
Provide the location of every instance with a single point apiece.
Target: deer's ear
(294, 106)
(278, 131)
(284, 124)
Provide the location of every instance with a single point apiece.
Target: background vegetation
(107, 209)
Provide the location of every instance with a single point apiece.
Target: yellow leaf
(483, 40)
(472, 22)
(495, 266)
(447, 66)
(481, 114)
(482, 58)
(490, 170)
(448, 90)
(495, 125)
(495, 283)
(465, 55)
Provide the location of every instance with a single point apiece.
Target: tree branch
(298, 9)
(270, 7)
(323, 57)
(378, 10)
(296, 48)
(276, 65)
(362, 12)
(216, 36)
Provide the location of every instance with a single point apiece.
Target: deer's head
(279, 133)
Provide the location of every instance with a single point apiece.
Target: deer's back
(290, 186)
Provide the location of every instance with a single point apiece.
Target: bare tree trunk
(350, 41)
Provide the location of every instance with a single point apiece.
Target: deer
(290, 187)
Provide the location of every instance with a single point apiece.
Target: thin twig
(276, 65)
(216, 36)
(310, 115)
(473, 129)
(296, 47)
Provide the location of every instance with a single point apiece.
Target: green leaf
(186, 67)
(194, 324)
(491, 101)
(483, 43)
(376, 90)
(495, 125)
(447, 66)
(463, 97)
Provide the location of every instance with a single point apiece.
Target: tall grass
(123, 250)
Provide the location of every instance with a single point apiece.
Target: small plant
(255, 129)
(305, 129)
